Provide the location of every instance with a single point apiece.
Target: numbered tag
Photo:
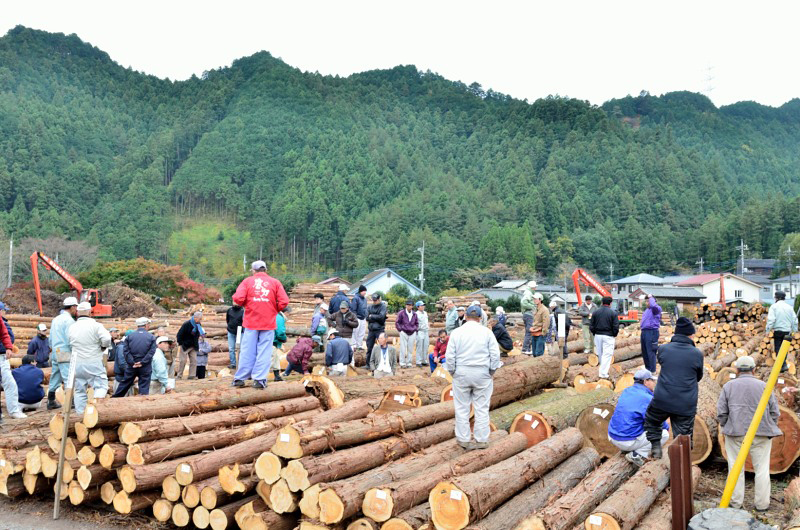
(597, 411)
(442, 375)
(185, 468)
(780, 381)
(2, 463)
(284, 437)
(455, 495)
(595, 520)
(401, 400)
(534, 424)
(90, 409)
(528, 417)
(381, 495)
(582, 381)
(305, 383)
(732, 376)
(451, 392)
(604, 414)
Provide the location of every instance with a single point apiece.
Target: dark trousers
(527, 321)
(777, 337)
(131, 373)
(649, 340)
(201, 372)
(654, 419)
(291, 366)
(372, 338)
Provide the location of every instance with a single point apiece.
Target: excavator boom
(94, 297)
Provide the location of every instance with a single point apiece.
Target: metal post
(701, 264)
(680, 480)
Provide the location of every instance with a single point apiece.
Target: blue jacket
(359, 306)
(39, 347)
(29, 383)
(336, 302)
(627, 423)
(280, 331)
(139, 347)
(119, 361)
(338, 351)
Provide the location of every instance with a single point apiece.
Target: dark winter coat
(233, 318)
(376, 317)
(188, 337)
(681, 368)
(345, 323)
(502, 336)
(605, 321)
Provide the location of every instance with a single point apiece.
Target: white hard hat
(42, 327)
(70, 301)
(84, 306)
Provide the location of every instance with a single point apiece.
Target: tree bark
(114, 411)
(417, 517)
(269, 520)
(201, 466)
(145, 431)
(503, 417)
(573, 507)
(554, 484)
(659, 517)
(224, 516)
(705, 421)
(593, 423)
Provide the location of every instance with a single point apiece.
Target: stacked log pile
(727, 335)
(731, 313)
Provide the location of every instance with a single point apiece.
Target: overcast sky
(592, 50)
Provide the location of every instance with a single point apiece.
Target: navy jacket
(187, 338)
(139, 347)
(233, 318)
(338, 351)
(359, 306)
(681, 368)
(502, 336)
(40, 349)
(335, 304)
(119, 361)
(376, 317)
(29, 383)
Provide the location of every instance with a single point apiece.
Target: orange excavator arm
(49, 264)
(581, 275)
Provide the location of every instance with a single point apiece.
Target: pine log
(416, 518)
(503, 417)
(145, 431)
(22, 438)
(593, 423)
(98, 437)
(659, 517)
(86, 456)
(251, 508)
(170, 448)
(162, 510)
(229, 478)
(11, 485)
(208, 491)
(461, 500)
(342, 499)
(113, 455)
(34, 483)
(77, 495)
(170, 488)
(109, 489)
(591, 374)
(628, 504)
(785, 448)
(573, 507)
(705, 422)
(94, 475)
(303, 473)
(124, 503)
(180, 515)
(205, 465)
(554, 484)
(201, 518)
(224, 516)
(269, 520)
(108, 412)
(362, 524)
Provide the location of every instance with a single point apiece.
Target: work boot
(260, 385)
(277, 375)
(655, 452)
(481, 445)
(634, 458)
(237, 383)
(51, 401)
(466, 445)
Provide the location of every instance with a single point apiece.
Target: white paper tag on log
(595, 520)
(582, 381)
(528, 417)
(401, 400)
(780, 381)
(604, 414)
(597, 411)
(185, 468)
(305, 383)
(442, 375)
(451, 392)
(455, 495)
(90, 409)
(2, 463)
(381, 495)
(534, 424)
(732, 376)
(284, 437)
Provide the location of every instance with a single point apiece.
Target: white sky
(594, 50)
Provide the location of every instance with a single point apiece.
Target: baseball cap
(84, 306)
(746, 362)
(344, 303)
(70, 301)
(376, 296)
(332, 331)
(409, 302)
(420, 303)
(162, 338)
(3, 306)
(316, 338)
(258, 264)
(474, 311)
(42, 327)
(342, 287)
(112, 329)
(141, 321)
(460, 308)
(538, 296)
(643, 374)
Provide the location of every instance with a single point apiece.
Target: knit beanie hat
(684, 326)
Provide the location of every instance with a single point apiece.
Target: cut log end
(127, 479)
(97, 438)
(593, 423)
(190, 496)
(533, 425)
(600, 521)
(362, 524)
(90, 416)
(200, 517)
(208, 497)
(296, 476)
(531, 523)
(134, 456)
(702, 442)
(268, 467)
(122, 503)
(184, 474)
(129, 433)
(106, 457)
(309, 504)
(331, 507)
(162, 510)
(447, 393)
(171, 489)
(180, 515)
(84, 477)
(29, 481)
(396, 524)
(449, 506)
(288, 443)
(229, 479)
(623, 382)
(57, 425)
(86, 456)
(33, 461)
(217, 519)
(107, 492)
(282, 500)
(378, 504)
(81, 432)
(75, 493)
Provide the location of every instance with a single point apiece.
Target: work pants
(157, 388)
(338, 370)
(604, 346)
(293, 367)
(358, 335)
(406, 347)
(527, 321)
(537, 345)
(759, 453)
(639, 445)
(649, 342)
(89, 374)
(433, 363)
(201, 372)
(377, 374)
(423, 341)
(372, 338)
(553, 347)
(472, 385)
(255, 356)
(778, 337)
(588, 339)
(655, 417)
(118, 382)
(143, 373)
(9, 386)
(191, 355)
(232, 348)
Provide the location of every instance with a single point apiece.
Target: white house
(782, 284)
(384, 279)
(736, 288)
(632, 283)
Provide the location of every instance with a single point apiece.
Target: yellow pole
(733, 475)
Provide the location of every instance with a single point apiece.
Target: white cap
(70, 301)
(499, 309)
(553, 303)
(342, 287)
(142, 321)
(475, 302)
(331, 332)
(258, 264)
(41, 327)
(538, 296)
(84, 307)
(162, 338)
(323, 306)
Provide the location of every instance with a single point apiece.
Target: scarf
(197, 328)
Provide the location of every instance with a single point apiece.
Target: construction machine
(93, 296)
(619, 304)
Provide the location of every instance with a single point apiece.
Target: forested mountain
(354, 172)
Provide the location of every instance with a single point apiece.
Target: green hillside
(352, 173)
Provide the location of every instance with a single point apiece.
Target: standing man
(189, 341)
(586, 311)
(120, 364)
(160, 373)
(782, 321)
(472, 358)
(359, 307)
(376, 322)
(423, 340)
(560, 313)
(338, 354)
(61, 350)
(528, 307)
(89, 340)
(407, 324)
(604, 325)
(233, 321)
(12, 398)
(262, 297)
(138, 349)
(451, 318)
(651, 322)
(336, 303)
(345, 321)
(461, 317)
(539, 325)
(735, 410)
(675, 396)
(318, 320)
(39, 347)
(383, 361)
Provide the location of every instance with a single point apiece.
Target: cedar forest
(352, 173)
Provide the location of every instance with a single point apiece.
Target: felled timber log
(705, 422)
(659, 517)
(417, 517)
(125, 503)
(503, 417)
(593, 423)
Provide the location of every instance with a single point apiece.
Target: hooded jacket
(301, 353)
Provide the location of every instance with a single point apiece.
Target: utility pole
(789, 254)
(700, 263)
(10, 259)
(244, 262)
(611, 271)
(421, 277)
(742, 248)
